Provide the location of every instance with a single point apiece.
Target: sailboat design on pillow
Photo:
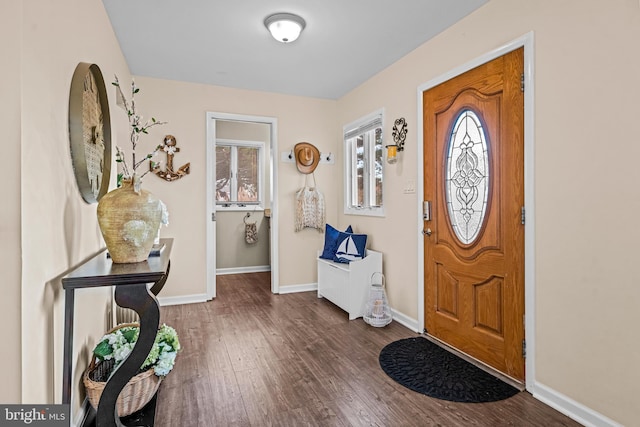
(351, 247)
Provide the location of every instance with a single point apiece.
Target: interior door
(474, 238)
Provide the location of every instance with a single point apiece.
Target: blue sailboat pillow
(350, 247)
(331, 236)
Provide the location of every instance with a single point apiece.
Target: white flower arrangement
(137, 127)
(118, 344)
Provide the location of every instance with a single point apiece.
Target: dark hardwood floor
(251, 358)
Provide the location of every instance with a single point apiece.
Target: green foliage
(102, 349)
(118, 345)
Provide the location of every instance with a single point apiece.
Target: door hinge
(213, 216)
(522, 82)
(524, 348)
(522, 216)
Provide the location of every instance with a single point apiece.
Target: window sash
(232, 199)
(364, 155)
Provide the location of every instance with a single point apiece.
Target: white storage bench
(347, 285)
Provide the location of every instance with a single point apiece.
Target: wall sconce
(284, 27)
(399, 135)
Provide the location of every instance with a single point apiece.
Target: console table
(131, 291)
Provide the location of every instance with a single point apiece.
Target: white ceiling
(225, 43)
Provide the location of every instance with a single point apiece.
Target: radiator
(125, 315)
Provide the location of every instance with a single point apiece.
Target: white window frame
(350, 133)
(249, 206)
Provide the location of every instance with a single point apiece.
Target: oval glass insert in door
(467, 176)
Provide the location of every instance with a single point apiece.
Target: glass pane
(467, 176)
(379, 162)
(223, 173)
(359, 196)
(247, 174)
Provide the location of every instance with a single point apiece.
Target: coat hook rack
(325, 158)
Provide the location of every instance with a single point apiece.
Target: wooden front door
(474, 239)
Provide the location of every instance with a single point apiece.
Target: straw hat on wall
(307, 157)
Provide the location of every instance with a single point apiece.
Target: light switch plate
(410, 187)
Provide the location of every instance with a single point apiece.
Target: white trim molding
(292, 289)
(572, 409)
(82, 414)
(406, 321)
(183, 299)
(211, 118)
(242, 270)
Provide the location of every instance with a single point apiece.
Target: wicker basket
(135, 394)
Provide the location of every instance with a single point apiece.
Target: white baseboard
(405, 320)
(241, 270)
(79, 418)
(569, 407)
(184, 299)
(558, 401)
(290, 289)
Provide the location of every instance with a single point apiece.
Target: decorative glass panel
(467, 176)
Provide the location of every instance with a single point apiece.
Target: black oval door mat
(427, 368)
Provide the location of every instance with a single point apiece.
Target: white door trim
(210, 200)
(525, 41)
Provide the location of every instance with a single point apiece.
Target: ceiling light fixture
(284, 27)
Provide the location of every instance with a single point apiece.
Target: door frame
(525, 41)
(211, 118)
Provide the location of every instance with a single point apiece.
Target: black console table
(131, 291)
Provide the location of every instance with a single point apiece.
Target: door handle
(426, 232)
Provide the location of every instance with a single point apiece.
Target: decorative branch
(137, 127)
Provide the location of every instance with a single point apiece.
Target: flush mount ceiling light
(284, 27)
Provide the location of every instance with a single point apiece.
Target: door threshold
(488, 369)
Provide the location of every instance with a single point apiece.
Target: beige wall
(232, 251)
(587, 60)
(10, 264)
(59, 228)
(184, 106)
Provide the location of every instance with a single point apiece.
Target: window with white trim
(364, 165)
(239, 175)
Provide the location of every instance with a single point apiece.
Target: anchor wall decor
(168, 174)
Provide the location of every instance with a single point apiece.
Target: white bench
(347, 285)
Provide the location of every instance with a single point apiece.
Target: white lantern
(377, 311)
